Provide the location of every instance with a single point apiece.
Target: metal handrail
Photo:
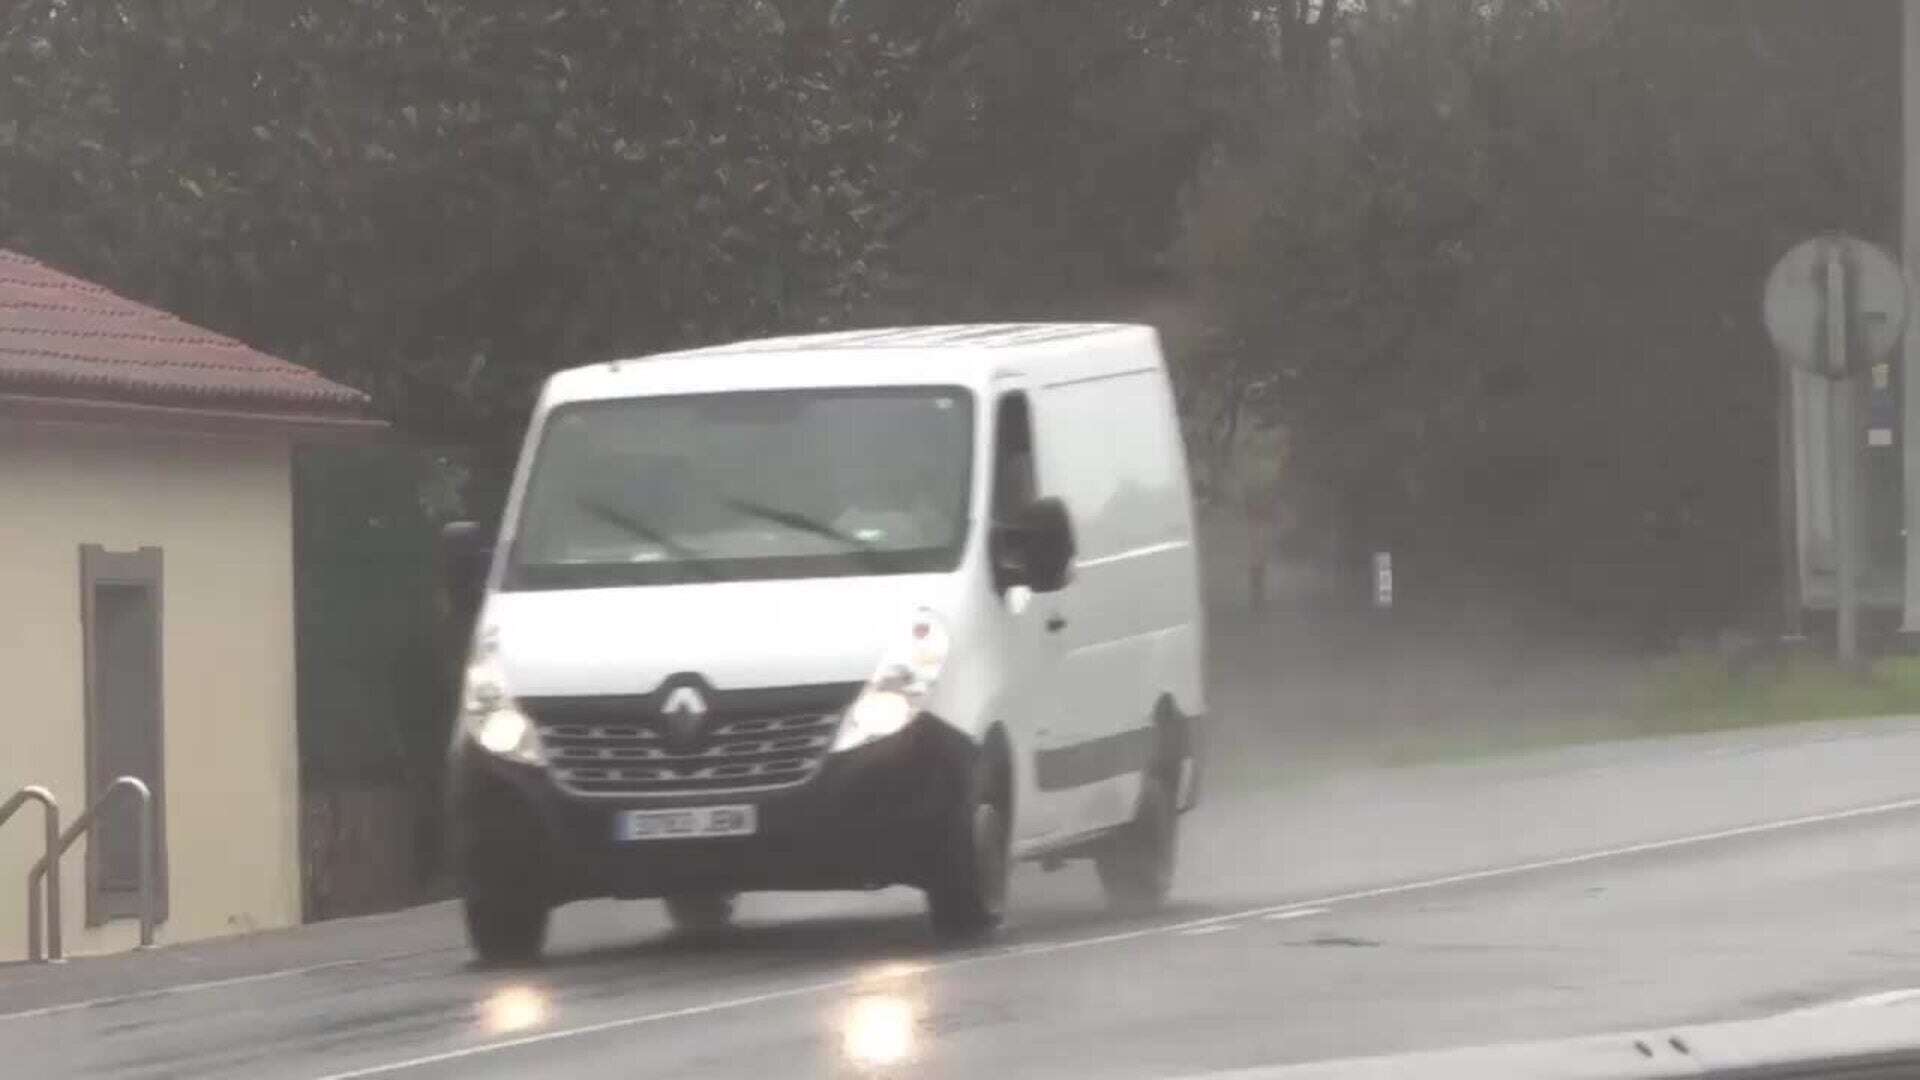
(50, 819)
(79, 827)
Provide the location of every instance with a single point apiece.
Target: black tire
(505, 928)
(700, 914)
(969, 900)
(1136, 864)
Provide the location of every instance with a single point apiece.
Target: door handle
(1056, 622)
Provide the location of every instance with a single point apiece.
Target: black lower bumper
(869, 817)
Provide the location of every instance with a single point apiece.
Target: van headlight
(488, 712)
(899, 687)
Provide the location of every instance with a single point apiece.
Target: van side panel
(1109, 446)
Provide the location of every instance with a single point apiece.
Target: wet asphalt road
(1268, 957)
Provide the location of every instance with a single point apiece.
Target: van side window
(1013, 474)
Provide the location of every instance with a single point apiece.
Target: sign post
(1909, 422)
(1844, 460)
(1834, 305)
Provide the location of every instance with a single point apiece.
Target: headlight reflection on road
(879, 975)
(514, 1008)
(878, 1031)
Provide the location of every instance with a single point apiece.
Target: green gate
(373, 696)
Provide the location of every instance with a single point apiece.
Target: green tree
(442, 201)
(1494, 266)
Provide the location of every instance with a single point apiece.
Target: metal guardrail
(50, 818)
(79, 828)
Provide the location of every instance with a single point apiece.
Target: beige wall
(221, 512)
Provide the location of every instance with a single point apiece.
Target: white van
(834, 612)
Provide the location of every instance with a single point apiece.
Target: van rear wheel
(970, 899)
(1136, 863)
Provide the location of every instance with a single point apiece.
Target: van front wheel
(970, 898)
(1136, 863)
(505, 927)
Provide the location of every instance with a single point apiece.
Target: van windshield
(746, 486)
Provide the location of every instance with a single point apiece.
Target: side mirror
(1035, 549)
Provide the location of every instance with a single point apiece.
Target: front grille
(749, 741)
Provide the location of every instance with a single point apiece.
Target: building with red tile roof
(74, 348)
(147, 606)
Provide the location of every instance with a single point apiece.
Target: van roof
(968, 354)
(957, 336)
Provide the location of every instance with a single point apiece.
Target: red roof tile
(67, 338)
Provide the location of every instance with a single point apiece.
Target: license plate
(691, 823)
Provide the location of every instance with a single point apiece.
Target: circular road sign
(1795, 304)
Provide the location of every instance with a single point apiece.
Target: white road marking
(809, 989)
(1217, 928)
(588, 1029)
(1133, 553)
(1296, 913)
(1624, 850)
(1864, 1001)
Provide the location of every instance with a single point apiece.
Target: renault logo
(684, 711)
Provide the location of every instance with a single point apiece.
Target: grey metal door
(121, 612)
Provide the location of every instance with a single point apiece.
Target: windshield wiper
(800, 522)
(686, 556)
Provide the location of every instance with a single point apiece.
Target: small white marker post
(1383, 579)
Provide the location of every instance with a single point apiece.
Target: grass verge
(1705, 694)
(1681, 695)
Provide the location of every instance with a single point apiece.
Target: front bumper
(868, 817)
